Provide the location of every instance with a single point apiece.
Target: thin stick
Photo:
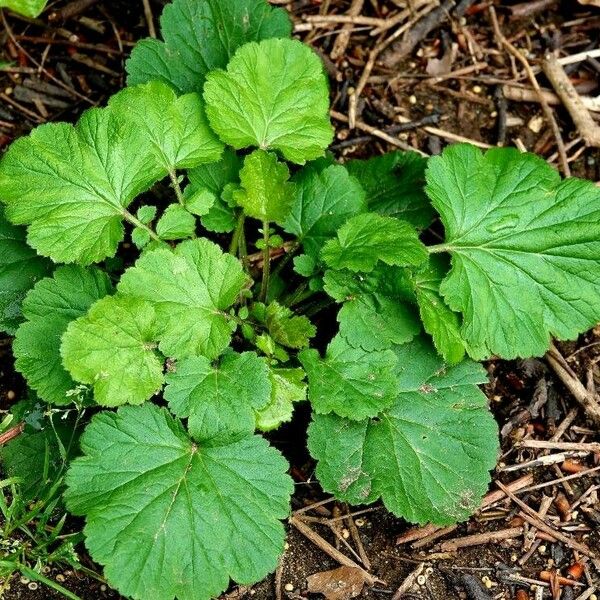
(481, 538)
(341, 42)
(149, 18)
(11, 433)
(549, 445)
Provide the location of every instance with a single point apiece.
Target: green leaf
(219, 400)
(274, 96)
(200, 36)
(177, 127)
(288, 387)
(427, 456)
(395, 186)
(20, 268)
(81, 179)
(287, 329)
(190, 288)
(49, 308)
(266, 193)
(349, 381)
(168, 518)
(374, 315)
(525, 249)
(113, 349)
(438, 320)
(214, 178)
(176, 223)
(305, 265)
(325, 199)
(369, 238)
(198, 202)
(146, 214)
(140, 237)
(28, 8)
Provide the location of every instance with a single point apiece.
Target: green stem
(438, 248)
(286, 259)
(176, 187)
(264, 289)
(135, 221)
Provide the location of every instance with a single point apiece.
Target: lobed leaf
(287, 329)
(273, 96)
(112, 348)
(169, 518)
(190, 289)
(49, 307)
(525, 249)
(176, 223)
(200, 36)
(427, 455)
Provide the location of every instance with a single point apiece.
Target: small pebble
(24, 580)
(32, 586)
(60, 578)
(477, 89)
(412, 99)
(359, 522)
(514, 558)
(593, 597)
(286, 546)
(10, 395)
(542, 549)
(103, 588)
(46, 569)
(421, 579)
(289, 587)
(345, 534)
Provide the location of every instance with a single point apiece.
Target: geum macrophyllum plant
(201, 346)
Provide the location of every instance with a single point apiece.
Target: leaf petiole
(135, 221)
(175, 185)
(438, 248)
(264, 288)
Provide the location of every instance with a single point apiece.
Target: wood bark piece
(587, 127)
(479, 539)
(341, 42)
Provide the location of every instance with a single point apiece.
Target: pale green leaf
(266, 194)
(49, 308)
(288, 387)
(28, 8)
(177, 127)
(146, 214)
(198, 202)
(219, 400)
(214, 178)
(73, 184)
(176, 223)
(20, 268)
(369, 238)
(190, 288)
(112, 348)
(374, 314)
(274, 96)
(325, 199)
(395, 186)
(525, 249)
(287, 329)
(169, 518)
(427, 456)
(200, 36)
(349, 381)
(140, 237)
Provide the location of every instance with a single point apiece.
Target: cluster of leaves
(201, 344)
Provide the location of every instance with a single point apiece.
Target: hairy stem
(135, 221)
(264, 288)
(291, 252)
(176, 186)
(438, 248)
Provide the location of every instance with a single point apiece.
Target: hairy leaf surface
(112, 348)
(287, 387)
(20, 268)
(427, 456)
(176, 223)
(168, 518)
(274, 96)
(349, 381)
(287, 329)
(200, 36)
(525, 249)
(219, 400)
(190, 288)
(49, 308)
(395, 186)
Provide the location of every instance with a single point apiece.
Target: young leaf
(266, 193)
(198, 202)
(427, 456)
(349, 381)
(325, 199)
(90, 173)
(176, 223)
(28, 8)
(20, 268)
(140, 237)
(219, 401)
(438, 320)
(525, 249)
(169, 518)
(395, 186)
(146, 214)
(49, 308)
(288, 387)
(369, 238)
(214, 178)
(190, 288)
(177, 127)
(374, 315)
(286, 329)
(200, 36)
(274, 96)
(113, 349)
